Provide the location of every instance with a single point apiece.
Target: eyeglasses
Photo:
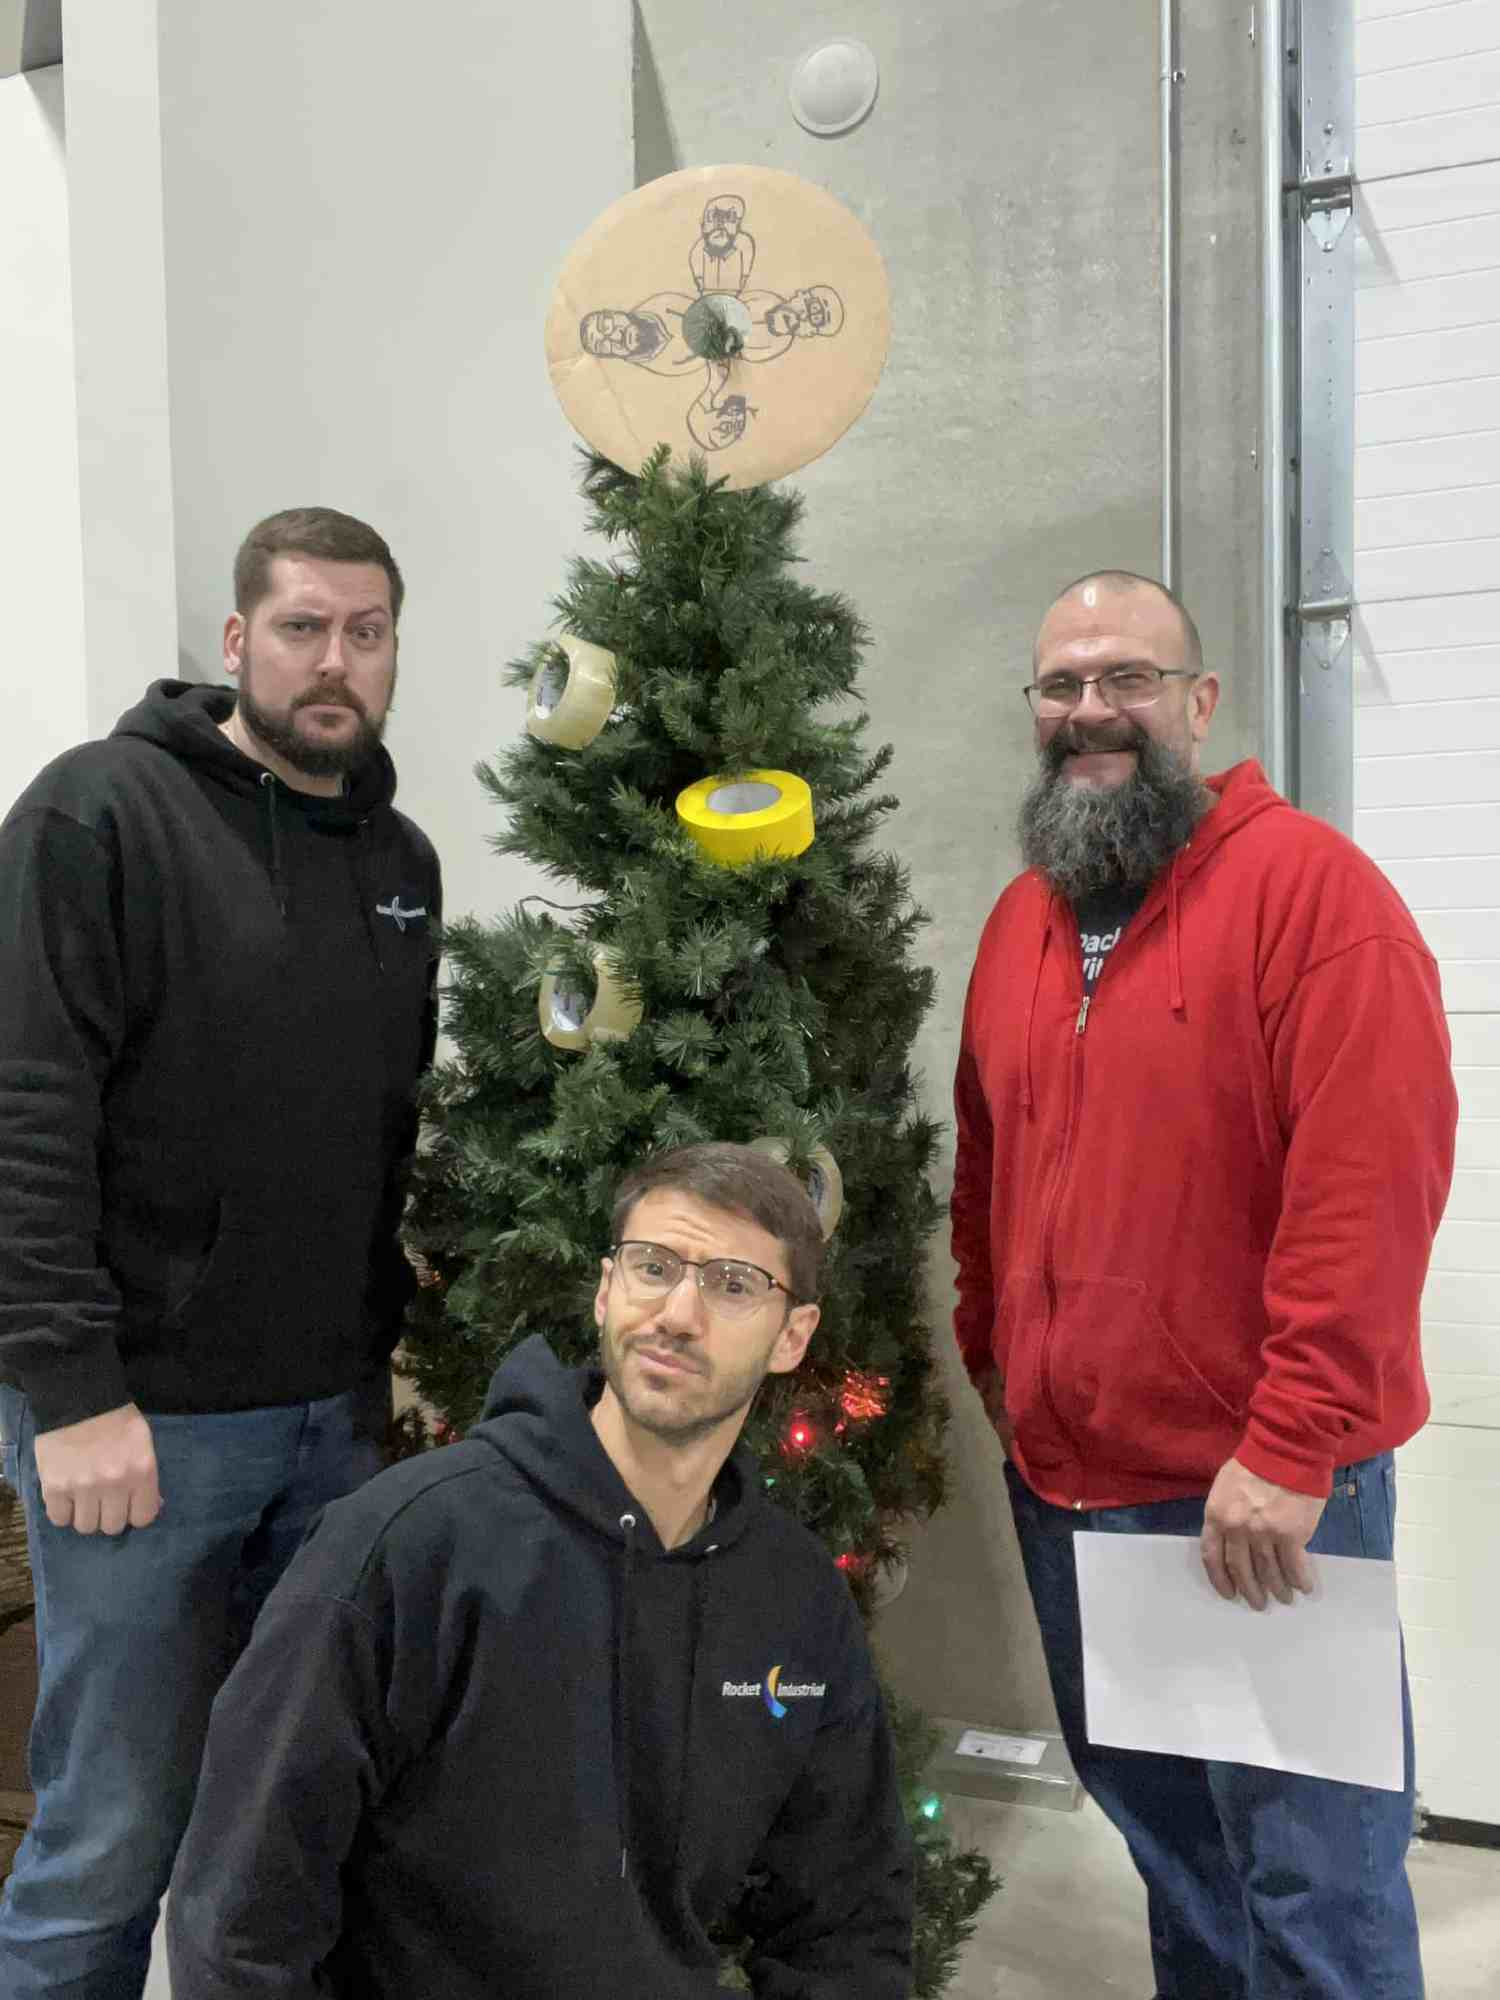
(1120, 689)
(725, 1284)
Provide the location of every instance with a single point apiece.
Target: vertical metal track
(1325, 366)
(1279, 223)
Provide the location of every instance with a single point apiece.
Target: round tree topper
(737, 312)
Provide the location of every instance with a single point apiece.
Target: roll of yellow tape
(824, 1182)
(575, 1020)
(758, 813)
(571, 693)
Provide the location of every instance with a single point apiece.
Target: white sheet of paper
(1168, 1665)
(1001, 1749)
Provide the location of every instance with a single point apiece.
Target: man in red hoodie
(1205, 1133)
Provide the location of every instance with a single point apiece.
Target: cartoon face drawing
(616, 335)
(717, 420)
(721, 223)
(816, 309)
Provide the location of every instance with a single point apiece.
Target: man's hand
(991, 1389)
(1255, 1537)
(99, 1476)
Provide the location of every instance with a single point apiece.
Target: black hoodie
(216, 1000)
(491, 1741)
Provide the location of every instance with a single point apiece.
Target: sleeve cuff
(79, 1387)
(1283, 1465)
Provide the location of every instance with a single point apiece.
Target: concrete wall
(41, 647)
(1009, 172)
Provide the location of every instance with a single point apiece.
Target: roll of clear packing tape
(571, 693)
(748, 817)
(823, 1181)
(574, 1019)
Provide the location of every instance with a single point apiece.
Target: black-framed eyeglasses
(727, 1285)
(1121, 688)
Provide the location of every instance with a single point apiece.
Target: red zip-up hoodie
(1192, 1216)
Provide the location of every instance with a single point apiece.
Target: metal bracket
(1326, 628)
(1327, 206)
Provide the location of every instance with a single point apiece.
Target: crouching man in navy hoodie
(526, 1715)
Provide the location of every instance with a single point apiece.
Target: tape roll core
(572, 1018)
(572, 693)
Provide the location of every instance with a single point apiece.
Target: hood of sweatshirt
(535, 1416)
(185, 719)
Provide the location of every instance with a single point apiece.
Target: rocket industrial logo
(776, 1692)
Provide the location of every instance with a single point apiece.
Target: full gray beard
(1089, 838)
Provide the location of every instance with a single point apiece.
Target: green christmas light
(932, 1807)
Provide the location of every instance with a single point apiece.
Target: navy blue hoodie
(491, 1741)
(215, 1003)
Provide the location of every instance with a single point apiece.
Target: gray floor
(1070, 1922)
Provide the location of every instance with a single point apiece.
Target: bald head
(1102, 584)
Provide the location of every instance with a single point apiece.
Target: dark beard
(313, 760)
(651, 338)
(1090, 838)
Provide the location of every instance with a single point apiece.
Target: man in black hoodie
(529, 1715)
(216, 1003)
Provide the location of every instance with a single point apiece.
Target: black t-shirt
(1102, 918)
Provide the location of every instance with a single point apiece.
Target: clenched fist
(99, 1477)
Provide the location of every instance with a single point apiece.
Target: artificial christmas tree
(732, 961)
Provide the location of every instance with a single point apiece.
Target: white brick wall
(1427, 773)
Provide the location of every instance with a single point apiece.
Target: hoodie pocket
(303, 1268)
(1124, 1390)
(160, 1262)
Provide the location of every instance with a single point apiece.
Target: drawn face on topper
(817, 309)
(615, 335)
(721, 223)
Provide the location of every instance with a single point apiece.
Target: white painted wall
(364, 213)
(120, 351)
(1427, 772)
(41, 576)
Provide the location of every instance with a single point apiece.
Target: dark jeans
(135, 1634)
(1261, 1885)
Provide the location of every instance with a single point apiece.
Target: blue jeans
(1261, 1885)
(135, 1634)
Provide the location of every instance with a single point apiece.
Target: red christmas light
(800, 1435)
(864, 1397)
(848, 1561)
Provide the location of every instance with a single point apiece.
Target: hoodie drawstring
(278, 881)
(701, 1585)
(622, 1691)
(1175, 997)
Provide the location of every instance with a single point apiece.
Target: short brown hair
(319, 532)
(741, 1181)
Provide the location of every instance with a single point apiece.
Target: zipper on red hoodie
(1070, 1133)
(1059, 1178)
